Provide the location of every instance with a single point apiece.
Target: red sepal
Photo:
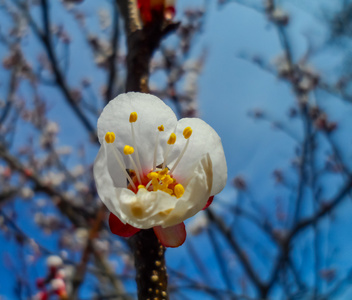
(210, 201)
(120, 229)
(173, 236)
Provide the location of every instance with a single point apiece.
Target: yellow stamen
(179, 190)
(167, 180)
(187, 132)
(172, 139)
(141, 186)
(164, 171)
(133, 117)
(155, 183)
(138, 167)
(127, 150)
(160, 129)
(152, 175)
(161, 181)
(110, 137)
(122, 166)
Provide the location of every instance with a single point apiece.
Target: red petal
(210, 201)
(173, 236)
(120, 229)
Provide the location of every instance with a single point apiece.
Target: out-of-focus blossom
(54, 261)
(54, 179)
(77, 171)
(27, 193)
(81, 236)
(59, 287)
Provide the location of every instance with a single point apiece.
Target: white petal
(204, 140)
(144, 209)
(104, 182)
(196, 195)
(152, 112)
(116, 172)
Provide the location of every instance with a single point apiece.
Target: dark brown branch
(141, 42)
(149, 257)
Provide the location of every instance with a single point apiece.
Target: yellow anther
(187, 132)
(161, 128)
(141, 186)
(169, 191)
(133, 117)
(172, 139)
(164, 172)
(152, 175)
(167, 180)
(110, 137)
(155, 184)
(179, 190)
(127, 150)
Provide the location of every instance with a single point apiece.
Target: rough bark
(151, 275)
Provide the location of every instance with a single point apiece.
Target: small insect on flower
(153, 171)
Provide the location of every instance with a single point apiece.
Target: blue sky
(229, 88)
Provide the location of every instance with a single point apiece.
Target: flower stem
(151, 275)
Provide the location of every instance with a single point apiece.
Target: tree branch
(75, 214)
(45, 39)
(240, 253)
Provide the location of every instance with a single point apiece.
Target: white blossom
(174, 166)
(54, 261)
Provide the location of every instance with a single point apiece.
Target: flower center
(158, 179)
